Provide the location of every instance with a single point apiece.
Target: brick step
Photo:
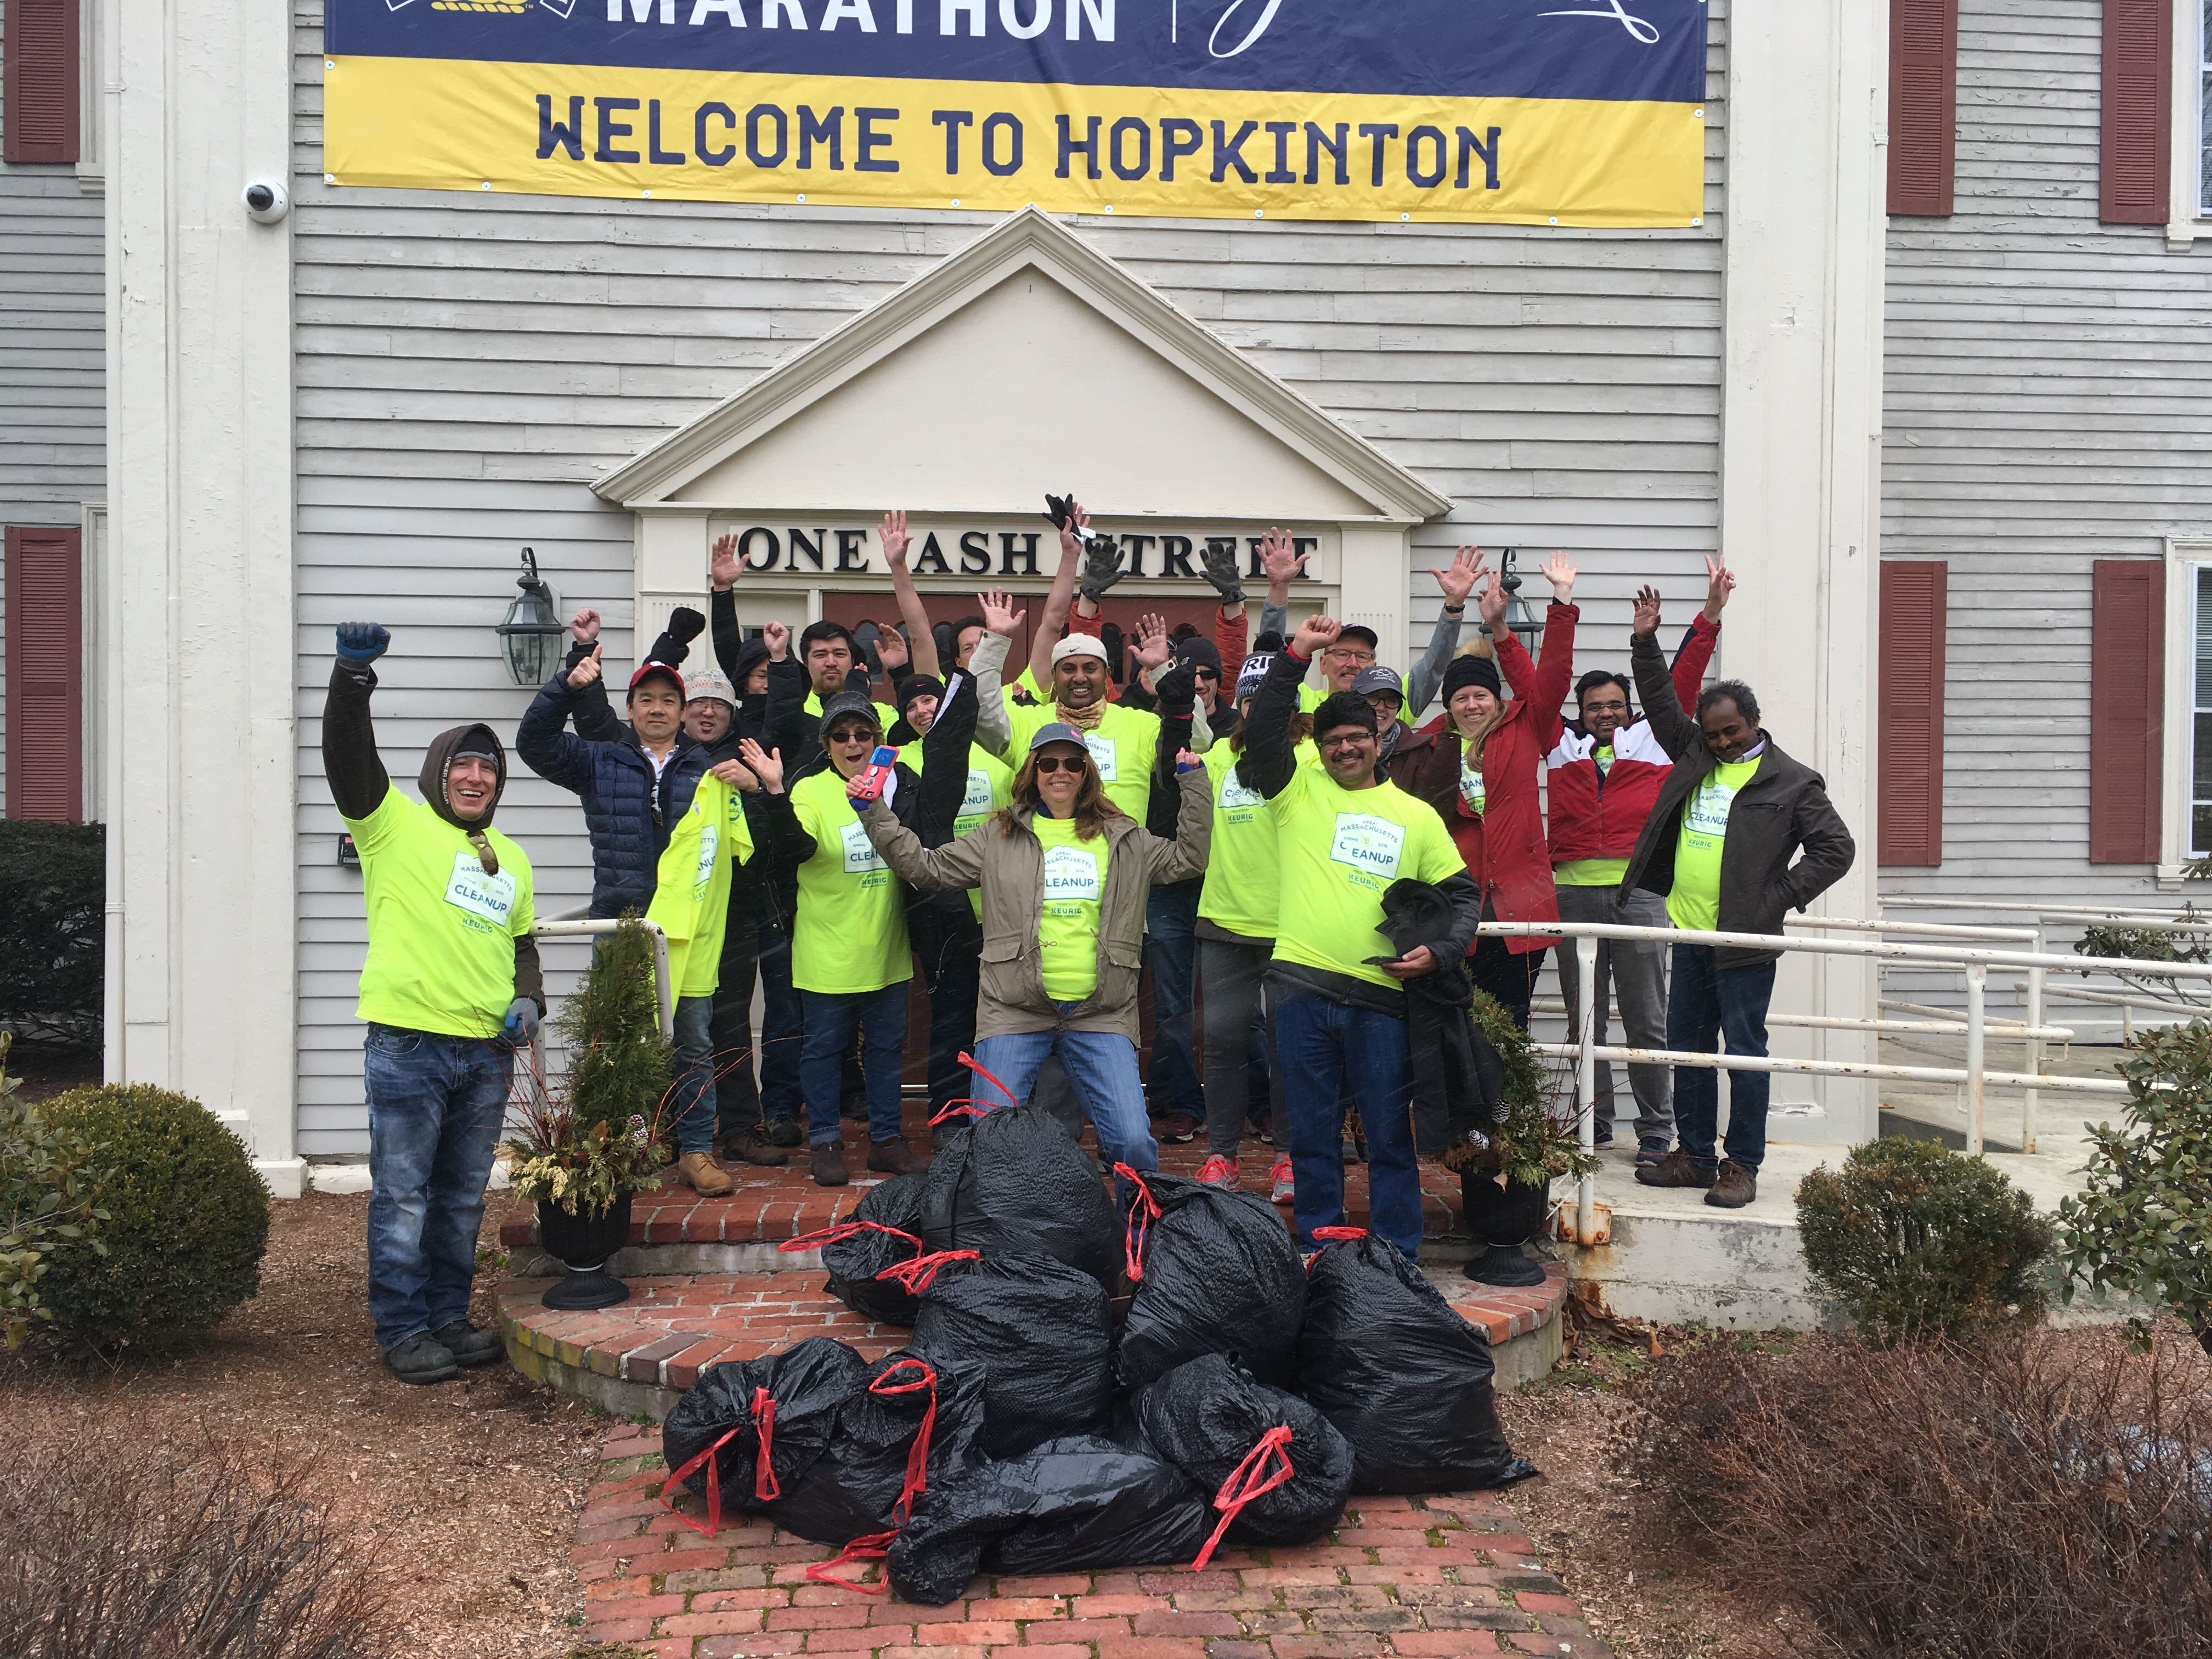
(640, 1355)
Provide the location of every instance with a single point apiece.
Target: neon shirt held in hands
(1075, 883)
(850, 935)
(1338, 850)
(1125, 747)
(1242, 881)
(1695, 902)
(691, 894)
(440, 931)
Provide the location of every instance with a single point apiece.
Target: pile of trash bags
(1084, 1391)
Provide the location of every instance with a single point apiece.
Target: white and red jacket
(1595, 815)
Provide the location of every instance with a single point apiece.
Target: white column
(198, 621)
(1375, 584)
(1801, 426)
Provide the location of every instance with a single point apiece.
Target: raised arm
(933, 869)
(544, 741)
(944, 761)
(1270, 760)
(1696, 654)
(784, 843)
(1282, 564)
(1654, 687)
(1457, 580)
(357, 778)
(1185, 856)
(723, 570)
(789, 727)
(595, 718)
(1053, 619)
(987, 664)
(891, 532)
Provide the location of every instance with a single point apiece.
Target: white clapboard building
(1927, 366)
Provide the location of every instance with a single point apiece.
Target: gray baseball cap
(1057, 732)
(1377, 678)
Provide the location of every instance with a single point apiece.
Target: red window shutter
(2137, 112)
(1911, 712)
(1923, 97)
(39, 98)
(2127, 710)
(43, 594)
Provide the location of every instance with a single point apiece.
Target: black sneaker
(421, 1358)
(782, 1132)
(468, 1346)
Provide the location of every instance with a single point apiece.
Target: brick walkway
(1434, 1576)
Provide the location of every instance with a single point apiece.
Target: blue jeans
(434, 1108)
(1709, 1002)
(830, 1018)
(783, 1028)
(1172, 954)
(689, 1122)
(1326, 1050)
(1103, 1066)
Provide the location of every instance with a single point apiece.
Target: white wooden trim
(2186, 219)
(2183, 555)
(91, 663)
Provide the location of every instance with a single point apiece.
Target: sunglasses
(1062, 763)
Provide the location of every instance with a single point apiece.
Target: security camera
(265, 202)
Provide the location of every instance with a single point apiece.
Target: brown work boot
(1734, 1188)
(1675, 1169)
(895, 1157)
(829, 1163)
(699, 1171)
(745, 1146)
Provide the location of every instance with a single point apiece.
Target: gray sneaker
(468, 1346)
(421, 1358)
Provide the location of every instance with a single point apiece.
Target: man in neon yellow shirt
(1342, 836)
(1722, 848)
(450, 990)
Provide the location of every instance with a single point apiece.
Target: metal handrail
(587, 927)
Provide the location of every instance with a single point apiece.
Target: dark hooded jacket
(359, 784)
(1459, 1080)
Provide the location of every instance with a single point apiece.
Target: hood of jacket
(438, 759)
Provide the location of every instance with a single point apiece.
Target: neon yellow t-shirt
(1695, 901)
(990, 785)
(1075, 883)
(1124, 745)
(850, 934)
(1338, 849)
(440, 931)
(1241, 882)
(692, 889)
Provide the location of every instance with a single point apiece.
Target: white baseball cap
(1079, 645)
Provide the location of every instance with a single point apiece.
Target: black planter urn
(586, 1242)
(1503, 1219)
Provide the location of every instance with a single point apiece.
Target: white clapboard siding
(468, 363)
(52, 349)
(2047, 394)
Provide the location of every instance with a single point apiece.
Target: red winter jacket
(1596, 816)
(1504, 848)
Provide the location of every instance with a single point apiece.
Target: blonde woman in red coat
(1482, 774)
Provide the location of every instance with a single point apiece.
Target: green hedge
(53, 891)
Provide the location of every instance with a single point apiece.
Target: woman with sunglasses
(1064, 874)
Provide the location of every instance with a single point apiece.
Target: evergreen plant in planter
(590, 1141)
(1505, 1184)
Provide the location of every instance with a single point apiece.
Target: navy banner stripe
(1609, 50)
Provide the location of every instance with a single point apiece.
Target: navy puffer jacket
(627, 811)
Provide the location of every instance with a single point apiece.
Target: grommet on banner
(802, 195)
(485, 186)
(646, 192)
(1110, 207)
(956, 201)
(1259, 213)
(1555, 218)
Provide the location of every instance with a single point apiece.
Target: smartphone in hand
(879, 773)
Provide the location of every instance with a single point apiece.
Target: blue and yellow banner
(1531, 111)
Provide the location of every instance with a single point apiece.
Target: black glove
(685, 625)
(1177, 688)
(1221, 570)
(361, 643)
(1101, 566)
(1057, 508)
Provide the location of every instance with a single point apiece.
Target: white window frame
(2188, 215)
(2184, 557)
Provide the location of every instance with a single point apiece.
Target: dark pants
(951, 970)
(1706, 1004)
(736, 1094)
(1638, 969)
(1240, 1077)
(1171, 954)
(434, 1108)
(1323, 1046)
(1510, 979)
(783, 1028)
(831, 1019)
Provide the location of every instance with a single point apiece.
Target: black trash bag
(711, 1439)
(1077, 1504)
(861, 1483)
(1276, 1468)
(1039, 1330)
(1215, 1272)
(1017, 1184)
(1404, 1378)
(884, 1229)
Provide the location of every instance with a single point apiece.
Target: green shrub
(49, 1200)
(1541, 1135)
(1917, 1241)
(53, 901)
(2143, 1221)
(619, 1064)
(188, 1216)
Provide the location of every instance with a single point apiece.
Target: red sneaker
(1285, 1188)
(1219, 1171)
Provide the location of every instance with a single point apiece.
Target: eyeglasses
(1605, 709)
(1061, 762)
(1352, 739)
(1348, 653)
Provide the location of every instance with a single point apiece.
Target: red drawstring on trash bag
(877, 1545)
(841, 1232)
(1143, 1210)
(1333, 1236)
(765, 1487)
(918, 1275)
(968, 1106)
(1245, 1483)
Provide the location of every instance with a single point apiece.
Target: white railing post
(1978, 983)
(1586, 1085)
(2029, 1100)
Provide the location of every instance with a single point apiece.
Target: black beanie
(920, 685)
(1472, 670)
(1195, 653)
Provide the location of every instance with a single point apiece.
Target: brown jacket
(1010, 869)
